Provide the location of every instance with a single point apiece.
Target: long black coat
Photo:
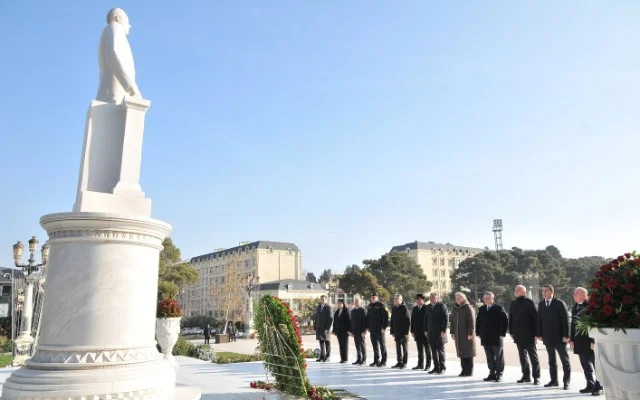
(523, 321)
(463, 326)
(323, 322)
(554, 322)
(417, 322)
(359, 323)
(377, 317)
(436, 320)
(491, 325)
(400, 322)
(341, 323)
(581, 343)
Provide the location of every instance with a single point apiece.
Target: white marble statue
(117, 72)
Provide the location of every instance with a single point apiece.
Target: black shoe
(356, 363)
(403, 366)
(320, 359)
(325, 359)
(552, 384)
(417, 367)
(363, 362)
(597, 392)
(536, 381)
(427, 367)
(343, 361)
(441, 371)
(587, 390)
(524, 380)
(433, 371)
(374, 364)
(565, 385)
(382, 364)
(490, 378)
(463, 374)
(498, 378)
(398, 365)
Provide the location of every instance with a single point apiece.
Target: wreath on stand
(281, 349)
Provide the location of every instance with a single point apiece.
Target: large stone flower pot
(167, 332)
(618, 362)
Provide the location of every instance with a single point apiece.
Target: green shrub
(183, 347)
(228, 357)
(6, 345)
(5, 360)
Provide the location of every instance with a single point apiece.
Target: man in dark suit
(323, 327)
(378, 321)
(555, 328)
(342, 328)
(418, 331)
(359, 330)
(523, 327)
(400, 323)
(491, 327)
(583, 345)
(436, 322)
(207, 334)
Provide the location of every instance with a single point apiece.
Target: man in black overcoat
(582, 344)
(342, 328)
(359, 330)
(323, 328)
(207, 334)
(491, 326)
(523, 327)
(378, 321)
(400, 324)
(418, 332)
(555, 328)
(436, 322)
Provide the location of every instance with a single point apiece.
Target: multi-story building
(438, 261)
(270, 261)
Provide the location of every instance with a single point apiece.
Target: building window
(270, 249)
(442, 261)
(435, 272)
(442, 273)
(6, 291)
(435, 262)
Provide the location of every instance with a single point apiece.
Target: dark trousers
(379, 347)
(343, 343)
(206, 339)
(325, 349)
(495, 358)
(423, 348)
(526, 351)
(437, 353)
(587, 361)
(402, 350)
(361, 347)
(561, 348)
(467, 365)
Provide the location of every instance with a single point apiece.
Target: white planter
(618, 362)
(167, 332)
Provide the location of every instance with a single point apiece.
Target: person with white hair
(582, 344)
(400, 323)
(491, 326)
(463, 333)
(523, 327)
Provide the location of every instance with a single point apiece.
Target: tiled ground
(231, 382)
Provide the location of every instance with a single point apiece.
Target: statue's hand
(133, 91)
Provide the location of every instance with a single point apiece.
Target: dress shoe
(398, 365)
(363, 362)
(498, 378)
(433, 371)
(565, 385)
(441, 371)
(597, 392)
(490, 378)
(586, 390)
(417, 367)
(382, 364)
(325, 359)
(464, 374)
(536, 381)
(402, 366)
(427, 368)
(343, 361)
(320, 359)
(552, 384)
(524, 380)
(356, 363)
(374, 364)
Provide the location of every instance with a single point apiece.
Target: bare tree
(230, 295)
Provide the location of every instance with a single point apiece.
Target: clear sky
(346, 127)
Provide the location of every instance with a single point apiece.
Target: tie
(548, 303)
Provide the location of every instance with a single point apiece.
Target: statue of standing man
(117, 72)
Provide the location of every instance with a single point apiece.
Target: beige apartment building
(270, 261)
(438, 261)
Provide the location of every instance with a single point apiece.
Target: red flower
(624, 317)
(596, 285)
(606, 298)
(629, 274)
(607, 310)
(629, 287)
(628, 255)
(620, 258)
(636, 261)
(628, 300)
(593, 301)
(613, 283)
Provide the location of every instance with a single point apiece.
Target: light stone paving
(231, 382)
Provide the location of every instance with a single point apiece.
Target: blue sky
(345, 127)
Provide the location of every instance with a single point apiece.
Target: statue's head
(119, 16)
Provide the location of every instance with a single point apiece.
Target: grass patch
(5, 360)
(228, 357)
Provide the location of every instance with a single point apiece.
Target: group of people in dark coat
(549, 322)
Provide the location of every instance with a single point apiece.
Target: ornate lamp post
(24, 339)
(253, 284)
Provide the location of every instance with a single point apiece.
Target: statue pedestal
(97, 332)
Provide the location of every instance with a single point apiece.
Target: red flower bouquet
(168, 308)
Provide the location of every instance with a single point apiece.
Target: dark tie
(548, 303)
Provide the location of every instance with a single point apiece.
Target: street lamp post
(24, 339)
(253, 284)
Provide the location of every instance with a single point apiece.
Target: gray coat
(463, 324)
(323, 322)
